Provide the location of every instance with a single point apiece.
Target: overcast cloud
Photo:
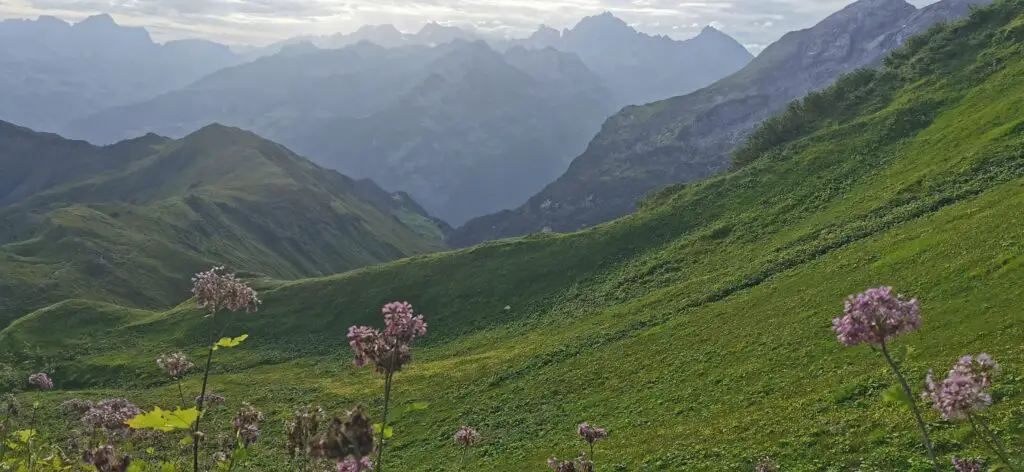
(754, 23)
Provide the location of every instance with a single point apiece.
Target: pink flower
(967, 465)
(875, 316)
(350, 465)
(247, 423)
(387, 350)
(466, 436)
(963, 390)
(110, 414)
(591, 434)
(174, 364)
(216, 290)
(41, 381)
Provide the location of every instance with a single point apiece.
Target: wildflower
(174, 365)
(967, 465)
(350, 465)
(765, 464)
(963, 390)
(590, 434)
(876, 315)
(110, 414)
(387, 350)
(210, 400)
(466, 437)
(104, 458)
(220, 457)
(77, 405)
(305, 426)
(41, 381)
(352, 437)
(11, 405)
(247, 423)
(217, 290)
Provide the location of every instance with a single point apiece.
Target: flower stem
(990, 439)
(384, 420)
(913, 407)
(181, 393)
(592, 454)
(32, 436)
(202, 394)
(462, 463)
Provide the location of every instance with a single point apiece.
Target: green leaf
(168, 467)
(165, 420)
(135, 467)
(185, 441)
(417, 406)
(35, 405)
(388, 432)
(150, 451)
(25, 434)
(230, 342)
(896, 394)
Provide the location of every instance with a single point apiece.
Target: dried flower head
(387, 350)
(765, 464)
(76, 406)
(591, 434)
(217, 290)
(466, 437)
(561, 466)
(350, 438)
(174, 365)
(963, 390)
(303, 428)
(210, 400)
(967, 465)
(351, 465)
(11, 406)
(875, 316)
(104, 459)
(110, 414)
(247, 423)
(41, 381)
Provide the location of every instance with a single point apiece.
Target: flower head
(963, 390)
(387, 350)
(11, 406)
(77, 405)
(967, 465)
(466, 437)
(350, 438)
(247, 423)
(303, 428)
(350, 465)
(765, 464)
(591, 434)
(174, 365)
(210, 400)
(217, 290)
(110, 414)
(41, 381)
(876, 315)
(104, 459)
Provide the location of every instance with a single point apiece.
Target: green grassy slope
(697, 330)
(134, 232)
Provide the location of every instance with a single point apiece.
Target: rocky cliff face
(688, 138)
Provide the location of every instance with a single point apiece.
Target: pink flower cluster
(104, 459)
(110, 414)
(581, 464)
(967, 465)
(874, 316)
(387, 350)
(41, 381)
(216, 290)
(591, 434)
(350, 465)
(963, 390)
(174, 365)
(466, 437)
(247, 423)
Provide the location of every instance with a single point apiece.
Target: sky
(755, 23)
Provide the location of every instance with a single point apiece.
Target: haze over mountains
(688, 138)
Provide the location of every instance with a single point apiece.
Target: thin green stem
(202, 394)
(990, 439)
(32, 436)
(592, 454)
(181, 393)
(384, 419)
(913, 407)
(462, 463)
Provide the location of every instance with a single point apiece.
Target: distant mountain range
(688, 138)
(128, 223)
(52, 72)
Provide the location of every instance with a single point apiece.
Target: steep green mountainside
(129, 222)
(690, 137)
(698, 329)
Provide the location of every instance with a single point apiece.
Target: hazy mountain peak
(604, 21)
(101, 20)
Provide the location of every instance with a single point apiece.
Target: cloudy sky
(754, 23)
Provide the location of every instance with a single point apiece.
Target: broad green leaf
(135, 467)
(165, 420)
(185, 441)
(150, 451)
(896, 394)
(25, 434)
(35, 405)
(168, 467)
(230, 342)
(417, 406)
(388, 432)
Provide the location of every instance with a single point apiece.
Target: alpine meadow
(847, 295)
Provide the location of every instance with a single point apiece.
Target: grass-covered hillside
(128, 223)
(697, 330)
